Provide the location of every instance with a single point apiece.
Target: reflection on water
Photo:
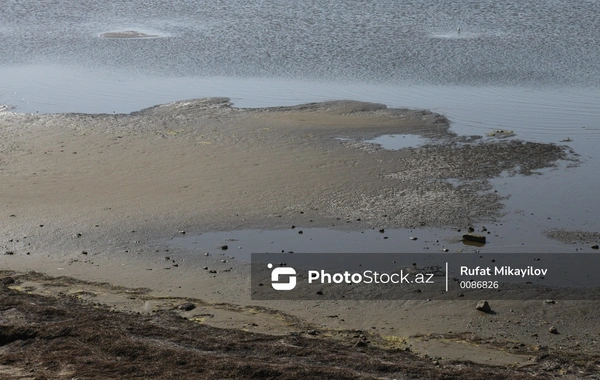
(395, 142)
(240, 244)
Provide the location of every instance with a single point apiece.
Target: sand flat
(88, 196)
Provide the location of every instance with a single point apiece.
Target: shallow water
(240, 244)
(528, 66)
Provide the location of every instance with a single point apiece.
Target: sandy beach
(88, 202)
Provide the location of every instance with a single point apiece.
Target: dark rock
(595, 246)
(84, 252)
(186, 306)
(474, 237)
(553, 330)
(300, 232)
(381, 231)
(360, 343)
(550, 301)
(224, 247)
(320, 292)
(7, 281)
(10, 253)
(483, 306)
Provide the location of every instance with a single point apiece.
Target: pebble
(553, 330)
(187, 306)
(595, 246)
(224, 247)
(413, 238)
(483, 306)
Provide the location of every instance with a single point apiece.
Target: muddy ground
(91, 199)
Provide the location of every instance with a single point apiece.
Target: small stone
(224, 247)
(381, 231)
(320, 292)
(312, 332)
(186, 306)
(212, 271)
(205, 268)
(413, 238)
(483, 306)
(595, 246)
(84, 252)
(10, 253)
(549, 301)
(300, 232)
(181, 232)
(474, 237)
(292, 226)
(7, 281)
(553, 330)
(445, 250)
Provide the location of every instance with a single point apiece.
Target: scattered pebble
(483, 306)
(474, 237)
(187, 306)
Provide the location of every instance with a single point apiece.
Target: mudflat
(85, 198)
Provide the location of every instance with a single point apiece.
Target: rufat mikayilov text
(504, 270)
(369, 277)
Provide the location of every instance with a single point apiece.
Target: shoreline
(109, 185)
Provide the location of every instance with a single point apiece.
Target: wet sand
(89, 196)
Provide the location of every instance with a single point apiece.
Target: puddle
(396, 142)
(501, 238)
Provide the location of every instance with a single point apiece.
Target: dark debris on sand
(49, 338)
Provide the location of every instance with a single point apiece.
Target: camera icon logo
(290, 272)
